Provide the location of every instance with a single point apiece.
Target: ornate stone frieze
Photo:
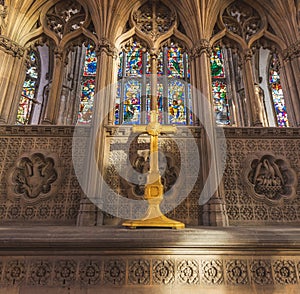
(192, 272)
(11, 47)
(282, 133)
(270, 179)
(34, 177)
(292, 51)
(43, 131)
(242, 20)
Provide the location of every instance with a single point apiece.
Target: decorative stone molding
(33, 178)
(11, 47)
(292, 51)
(44, 131)
(270, 179)
(147, 272)
(201, 47)
(282, 133)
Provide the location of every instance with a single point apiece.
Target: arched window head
(29, 91)
(133, 94)
(88, 80)
(219, 87)
(277, 93)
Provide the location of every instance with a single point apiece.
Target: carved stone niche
(34, 177)
(270, 179)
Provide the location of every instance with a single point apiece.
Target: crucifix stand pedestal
(154, 189)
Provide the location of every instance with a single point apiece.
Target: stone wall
(39, 185)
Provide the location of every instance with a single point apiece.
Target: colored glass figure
(219, 87)
(134, 60)
(217, 63)
(277, 93)
(175, 62)
(220, 102)
(28, 92)
(90, 65)
(176, 100)
(132, 102)
(87, 87)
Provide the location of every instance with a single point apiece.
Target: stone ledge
(112, 240)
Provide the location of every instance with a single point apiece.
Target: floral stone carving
(34, 176)
(271, 179)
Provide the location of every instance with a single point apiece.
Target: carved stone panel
(270, 179)
(34, 177)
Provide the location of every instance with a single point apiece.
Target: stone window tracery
(133, 94)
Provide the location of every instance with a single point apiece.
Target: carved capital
(59, 53)
(201, 47)
(292, 51)
(11, 47)
(105, 45)
(247, 55)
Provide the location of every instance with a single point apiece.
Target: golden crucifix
(154, 189)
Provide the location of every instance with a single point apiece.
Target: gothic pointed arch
(153, 31)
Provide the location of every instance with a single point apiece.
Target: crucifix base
(154, 218)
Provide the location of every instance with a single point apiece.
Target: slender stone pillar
(53, 102)
(214, 212)
(12, 69)
(89, 214)
(289, 75)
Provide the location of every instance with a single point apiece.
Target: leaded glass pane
(134, 60)
(177, 101)
(220, 102)
(90, 64)
(175, 62)
(217, 63)
(87, 101)
(219, 87)
(87, 86)
(277, 93)
(132, 102)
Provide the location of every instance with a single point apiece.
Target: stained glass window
(277, 93)
(133, 94)
(29, 91)
(87, 86)
(219, 87)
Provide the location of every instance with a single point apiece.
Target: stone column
(255, 106)
(214, 212)
(13, 70)
(53, 101)
(89, 213)
(289, 75)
